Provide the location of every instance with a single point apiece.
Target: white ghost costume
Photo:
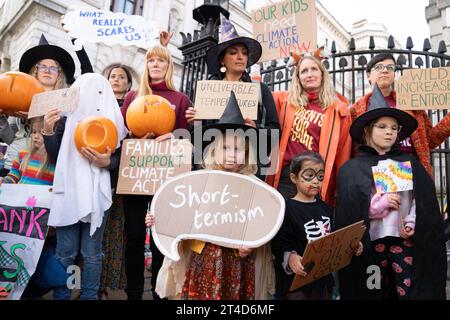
(82, 191)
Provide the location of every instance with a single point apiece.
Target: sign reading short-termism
(423, 89)
(63, 99)
(212, 96)
(284, 27)
(228, 209)
(330, 253)
(90, 25)
(145, 164)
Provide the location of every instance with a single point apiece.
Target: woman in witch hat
(206, 270)
(404, 239)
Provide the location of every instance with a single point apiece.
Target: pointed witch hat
(378, 107)
(229, 37)
(47, 51)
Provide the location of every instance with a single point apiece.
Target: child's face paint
(309, 179)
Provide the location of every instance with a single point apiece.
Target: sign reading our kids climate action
(24, 212)
(423, 89)
(227, 209)
(392, 176)
(329, 253)
(145, 164)
(212, 96)
(110, 28)
(284, 27)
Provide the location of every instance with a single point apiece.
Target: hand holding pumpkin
(50, 119)
(100, 160)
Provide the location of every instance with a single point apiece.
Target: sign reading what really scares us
(92, 25)
(24, 212)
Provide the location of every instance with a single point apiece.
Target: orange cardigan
(334, 146)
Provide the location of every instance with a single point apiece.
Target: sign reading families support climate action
(23, 227)
(212, 96)
(145, 164)
(63, 99)
(330, 253)
(228, 209)
(111, 28)
(423, 89)
(284, 27)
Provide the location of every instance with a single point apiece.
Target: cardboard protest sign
(23, 227)
(211, 98)
(393, 176)
(329, 253)
(284, 27)
(145, 164)
(228, 209)
(423, 89)
(64, 99)
(91, 25)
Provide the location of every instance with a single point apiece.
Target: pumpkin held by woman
(17, 90)
(96, 132)
(150, 113)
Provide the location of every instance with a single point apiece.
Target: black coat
(429, 252)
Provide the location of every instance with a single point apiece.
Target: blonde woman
(313, 118)
(157, 78)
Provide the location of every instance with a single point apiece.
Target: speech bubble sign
(284, 27)
(423, 89)
(227, 209)
(63, 99)
(330, 253)
(90, 25)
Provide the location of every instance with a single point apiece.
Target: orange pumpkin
(16, 91)
(96, 132)
(150, 113)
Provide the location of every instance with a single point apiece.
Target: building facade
(438, 17)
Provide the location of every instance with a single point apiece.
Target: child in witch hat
(199, 274)
(404, 236)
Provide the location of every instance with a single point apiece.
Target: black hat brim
(212, 55)
(41, 52)
(408, 122)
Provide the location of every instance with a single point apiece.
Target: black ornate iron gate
(347, 70)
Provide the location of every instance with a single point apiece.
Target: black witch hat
(378, 107)
(46, 51)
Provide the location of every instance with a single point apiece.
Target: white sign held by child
(393, 176)
(92, 25)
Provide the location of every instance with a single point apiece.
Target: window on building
(242, 3)
(128, 6)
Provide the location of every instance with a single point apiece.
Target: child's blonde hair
(36, 124)
(163, 53)
(297, 94)
(212, 160)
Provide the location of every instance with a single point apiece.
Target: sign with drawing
(393, 176)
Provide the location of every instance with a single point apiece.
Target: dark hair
(297, 161)
(378, 58)
(124, 68)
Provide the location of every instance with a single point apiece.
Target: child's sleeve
(283, 244)
(13, 175)
(410, 219)
(379, 206)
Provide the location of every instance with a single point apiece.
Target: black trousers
(135, 207)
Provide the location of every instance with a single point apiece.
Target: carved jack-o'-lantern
(16, 91)
(150, 113)
(96, 132)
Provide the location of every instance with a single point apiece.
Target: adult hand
(394, 200)
(295, 263)
(21, 114)
(149, 219)
(98, 159)
(164, 137)
(164, 38)
(250, 122)
(243, 252)
(406, 232)
(63, 26)
(190, 114)
(50, 119)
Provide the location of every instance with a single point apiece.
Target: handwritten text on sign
(330, 253)
(423, 89)
(228, 209)
(63, 99)
(284, 27)
(392, 176)
(212, 96)
(145, 164)
(111, 28)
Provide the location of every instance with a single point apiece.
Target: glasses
(381, 67)
(310, 174)
(44, 68)
(385, 127)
